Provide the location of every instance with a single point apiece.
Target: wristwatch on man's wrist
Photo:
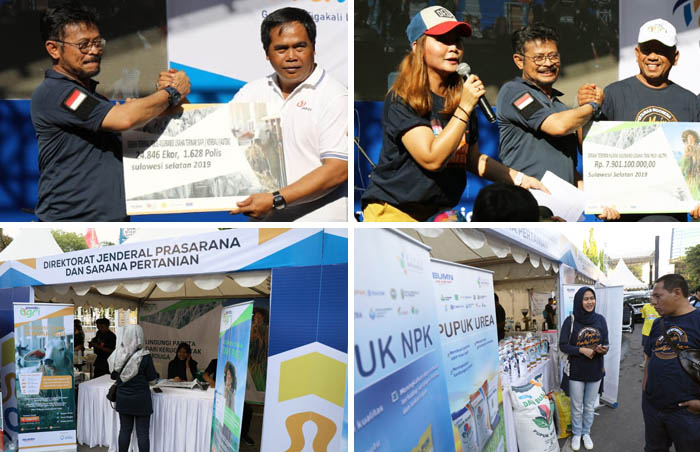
(596, 110)
(278, 201)
(174, 95)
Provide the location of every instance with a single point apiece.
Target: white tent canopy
(129, 294)
(31, 243)
(516, 269)
(622, 276)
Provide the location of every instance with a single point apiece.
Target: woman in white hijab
(132, 366)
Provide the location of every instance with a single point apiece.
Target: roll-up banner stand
(401, 400)
(609, 305)
(231, 371)
(10, 424)
(466, 314)
(45, 391)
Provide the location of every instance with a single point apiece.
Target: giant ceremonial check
(206, 158)
(642, 167)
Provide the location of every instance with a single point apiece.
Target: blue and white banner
(467, 325)
(400, 393)
(231, 372)
(214, 252)
(44, 385)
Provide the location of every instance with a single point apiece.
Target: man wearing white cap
(650, 95)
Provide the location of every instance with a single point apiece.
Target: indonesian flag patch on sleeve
(80, 103)
(527, 105)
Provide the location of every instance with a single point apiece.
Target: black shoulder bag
(689, 358)
(112, 393)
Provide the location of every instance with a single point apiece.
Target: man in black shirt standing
(500, 318)
(671, 397)
(80, 151)
(104, 344)
(549, 312)
(537, 131)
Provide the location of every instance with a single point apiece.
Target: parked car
(627, 318)
(636, 300)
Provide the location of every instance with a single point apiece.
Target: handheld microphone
(464, 70)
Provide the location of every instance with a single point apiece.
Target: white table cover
(181, 419)
(547, 369)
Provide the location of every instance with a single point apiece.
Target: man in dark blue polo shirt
(80, 156)
(537, 131)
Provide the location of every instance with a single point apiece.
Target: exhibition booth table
(547, 369)
(181, 419)
(175, 283)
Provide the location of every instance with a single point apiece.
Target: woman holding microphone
(430, 129)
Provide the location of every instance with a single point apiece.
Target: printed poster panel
(642, 167)
(609, 304)
(231, 372)
(206, 158)
(400, 393)
(167, 323)
(566, 304)
(466, 313)
(44, 363)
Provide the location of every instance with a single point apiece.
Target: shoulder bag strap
(571, 331)
(127, 361)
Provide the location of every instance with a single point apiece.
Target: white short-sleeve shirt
(314, 127)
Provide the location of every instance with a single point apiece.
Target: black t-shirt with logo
(631, 100)
(582, 367)
(398, 179)
(667, 382)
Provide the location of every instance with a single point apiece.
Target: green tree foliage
(590, 249)
(69, 241)
(4, 240)
(691, 272)
(636, 270)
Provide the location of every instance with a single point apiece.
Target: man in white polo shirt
(313, 107)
